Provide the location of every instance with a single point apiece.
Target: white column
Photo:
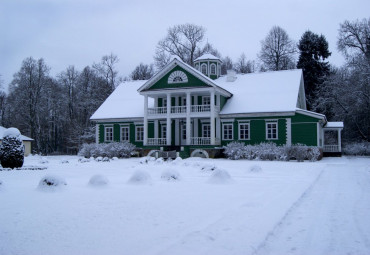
(212, 121)
(145, 120)
(188, 122)
(218, 120)
(156, 126)
(177, 133)
(168, 126)
(340, 140)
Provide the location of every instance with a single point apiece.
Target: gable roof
(23, 137)
(262, 92)
(125, 102)
(189, 69)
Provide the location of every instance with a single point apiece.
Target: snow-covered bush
(170, 175)
(140, 177)
(110, 150)
(12, 149)
(313, 153)
(267, 151)
(83, 160)
(98, 181)
(208, 167)
(51, 182)
(357, 149)
(234, 150)
(219, 176)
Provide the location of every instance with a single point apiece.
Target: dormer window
(177, 77)
(204, 69)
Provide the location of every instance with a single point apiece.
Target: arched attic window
(204, 69)
(177, 77)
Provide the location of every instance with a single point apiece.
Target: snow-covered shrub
(208, 167)
(114, 158)
(267, 151)
(99, 159)
(83, 160)
(140, 177)
(357, 149)
(105, 159)
(234, 150)
(12, 149)
(98, 181)
(219, 176)
(313, 153)
(255, 168)
(159, 161)
(110, 150)
(170, 175)
(51, 182)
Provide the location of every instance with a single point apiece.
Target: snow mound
(255, 168)
(220, 176)
(98, 181)
(208, 167)
(11, 132)
(140, 177)
(170, 175)
(106, 159)
(43, 160)
(64, 161)
(114, 158)
(99, 159)
(83, 160)
(159, 161)
(146, 160)
(51, 182)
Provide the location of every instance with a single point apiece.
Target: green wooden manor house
(195, 110)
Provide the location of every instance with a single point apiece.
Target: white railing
(201, 108)
(157, 141)
(331, 148)
(200, 141)
(157, 110)
(178, 109)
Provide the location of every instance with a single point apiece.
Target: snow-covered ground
(193, 206)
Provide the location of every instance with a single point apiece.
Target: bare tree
(277, 50)
(244, 66)
(142, 72)
(354, 38)
(107, 70)
(227, 64)
(69, 79)
(182, 41)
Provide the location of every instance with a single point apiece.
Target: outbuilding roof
(23, 137)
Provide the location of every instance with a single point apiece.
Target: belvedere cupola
(209, 65)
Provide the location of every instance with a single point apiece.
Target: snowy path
(331, 218)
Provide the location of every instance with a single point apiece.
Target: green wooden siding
(304, 133)
(223, 101)
(192, 81)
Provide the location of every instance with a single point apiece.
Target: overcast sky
(80, 32)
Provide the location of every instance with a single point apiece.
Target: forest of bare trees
(55, 111)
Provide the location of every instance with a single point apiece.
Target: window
(206, 100)
(108, 134)
(204, 69)
(227, 132)
(177, 77)
(183, 101)
(164, 102)
(183, 132)
(206, 130)
(213, 69)
(139, 133)
(243, 131)
(271, 130)
(164, 131)
(125, 133)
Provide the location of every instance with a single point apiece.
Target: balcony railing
(181, 109)
(157, 141)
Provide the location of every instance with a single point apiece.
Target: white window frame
(206, 100)
(137, 137)
(201, 69)
(106, 134)
(223, 132)
(268, 127)
(248, 133)
(128, 133)
(163, 131)
(204, 131)
(213, 73)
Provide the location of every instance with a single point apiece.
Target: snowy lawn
(193, 206)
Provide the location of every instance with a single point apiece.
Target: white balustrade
(178, 109)
(331, 148)
(181, 109)
(156, 141)
(200, 140)
(157, 110)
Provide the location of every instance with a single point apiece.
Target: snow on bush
(219, 176)
(98, 181)
(51, 182)
(83, 160)
(12, 149)
(255, 168)
(140, 177)
(270, 151)
(357, 149)
(110, 150)
(170, 175)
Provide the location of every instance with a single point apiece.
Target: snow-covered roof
(23, 137)
(207, 56)
(262, 92)
(124, 102)
(334, 124)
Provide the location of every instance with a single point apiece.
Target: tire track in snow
(290, 211)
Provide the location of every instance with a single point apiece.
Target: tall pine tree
(314, 49)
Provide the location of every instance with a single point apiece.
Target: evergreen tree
(12, 149)
(314, 49)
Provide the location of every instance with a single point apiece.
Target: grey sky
(80, 32)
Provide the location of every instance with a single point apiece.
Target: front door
(183, 133)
